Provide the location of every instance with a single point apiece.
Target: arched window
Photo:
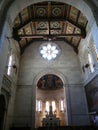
(39, 105)
(91, 63)
(95, 50)
(9, 65)
(47, 106)
(61, 105)
(53, 106)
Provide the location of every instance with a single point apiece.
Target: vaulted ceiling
(49, 20)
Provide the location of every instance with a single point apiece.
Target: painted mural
(50, 82)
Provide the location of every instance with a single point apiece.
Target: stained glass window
(49, 50)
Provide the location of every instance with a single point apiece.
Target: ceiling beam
(51, 20)
(51, 35)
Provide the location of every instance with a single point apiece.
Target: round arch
(63, 91)
(51, 71)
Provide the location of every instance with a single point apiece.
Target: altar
(50, 119)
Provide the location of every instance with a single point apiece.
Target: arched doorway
(2, 111)
(50, 101)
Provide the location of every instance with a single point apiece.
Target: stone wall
(92, 94)
(68, 67)
(67, 64)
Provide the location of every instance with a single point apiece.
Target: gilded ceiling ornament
(42, 25)
(55, 24)
(56, 11)
(41, 11)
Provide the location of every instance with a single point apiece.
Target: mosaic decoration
(50, 82)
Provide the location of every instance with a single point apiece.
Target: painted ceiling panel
(42, 25)
(57, 11)
(17, 22)
(75, 41)
(28, 29)
(82, 20)
(55, 32)
(55, 24)
(73, 14)
(69, 29)
(46, 20)
(40, 11)
(77, 31)
(24, 15)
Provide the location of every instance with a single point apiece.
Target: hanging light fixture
(49, 50)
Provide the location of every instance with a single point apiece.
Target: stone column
(33, 106)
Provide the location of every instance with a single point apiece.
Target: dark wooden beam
(49, 28)
(53, 35)
(23, 28)
(52, 19)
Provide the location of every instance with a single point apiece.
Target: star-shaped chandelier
(49, 50)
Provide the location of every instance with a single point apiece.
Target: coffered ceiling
(49, 20)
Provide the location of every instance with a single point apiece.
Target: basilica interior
(48, 64)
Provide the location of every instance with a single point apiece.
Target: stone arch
(51, 71)
(65, 85)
